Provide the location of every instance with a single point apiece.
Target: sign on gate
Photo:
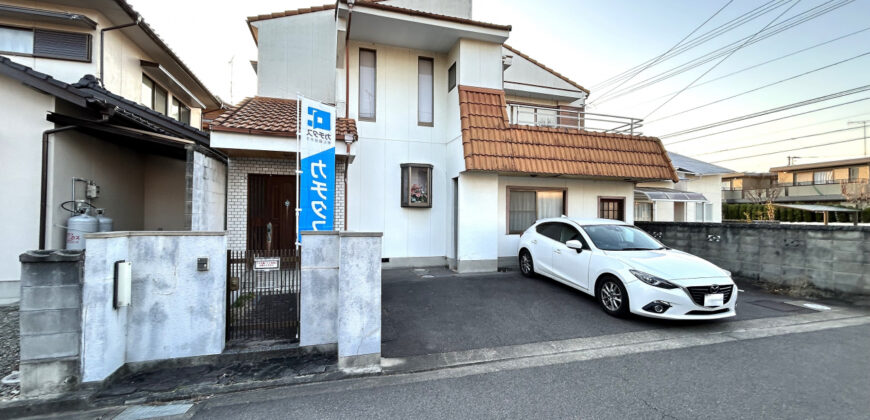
(267, 263)
(317, 163)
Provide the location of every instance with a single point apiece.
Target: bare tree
(857, 193)
(765, 196)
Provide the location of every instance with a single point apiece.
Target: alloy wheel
(611, 296)
(526, 263)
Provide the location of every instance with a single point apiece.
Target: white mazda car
(626, 269)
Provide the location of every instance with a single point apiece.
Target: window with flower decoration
(416, 185)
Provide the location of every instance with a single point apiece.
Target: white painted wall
(581, 201)
(395, 138)
(458, 8)
(527, 72)
(478, 221)
(480, 64)
(297, 56)
(23, 121)
(122, 68)
(708, 185)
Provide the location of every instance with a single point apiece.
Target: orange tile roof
(551, 71)
(270, 117)
(491, 143)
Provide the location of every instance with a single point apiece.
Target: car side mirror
(575, 245)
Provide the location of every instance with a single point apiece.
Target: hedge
(786, 214)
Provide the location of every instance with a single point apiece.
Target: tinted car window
(621, 238)
(569, 233)
(550, 230)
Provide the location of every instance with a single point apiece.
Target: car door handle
(558, 251)
(534, 241)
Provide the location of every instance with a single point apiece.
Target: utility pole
(863, 123)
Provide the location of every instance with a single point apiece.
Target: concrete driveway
(436, 311)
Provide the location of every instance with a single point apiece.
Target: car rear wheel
(527, 266)
(612, 297)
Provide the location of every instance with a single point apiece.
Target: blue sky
(590, 41)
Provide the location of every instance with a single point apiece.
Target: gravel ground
(8, 348)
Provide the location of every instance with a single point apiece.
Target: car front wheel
(527, 266)
(613, 297)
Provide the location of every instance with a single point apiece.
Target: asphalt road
(437, 311)
(820, 374)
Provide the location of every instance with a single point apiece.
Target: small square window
(416, 185)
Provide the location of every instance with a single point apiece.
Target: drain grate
(775, 305)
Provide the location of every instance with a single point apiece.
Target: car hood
(668, 264)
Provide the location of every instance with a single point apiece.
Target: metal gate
(263, 295)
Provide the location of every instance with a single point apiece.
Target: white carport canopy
(820, 208)
(666, 194)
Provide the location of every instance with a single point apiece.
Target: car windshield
(621, 238)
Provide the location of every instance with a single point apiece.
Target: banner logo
(317, 163)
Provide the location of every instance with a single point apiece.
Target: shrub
(865, 215)
(807, 216)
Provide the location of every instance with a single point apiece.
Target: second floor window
(823, 177)
(45, 44)
(367, 84)
(179, 111)
(425, 90)
(153, 96)
(854, 173)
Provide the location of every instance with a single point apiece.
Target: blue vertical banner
(317, 164)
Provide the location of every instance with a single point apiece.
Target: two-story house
(97, 112)
(432, 104)
(696, 198)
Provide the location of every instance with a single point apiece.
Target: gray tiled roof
(695, 166)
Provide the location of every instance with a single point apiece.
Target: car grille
(717, 311)
(697, 293)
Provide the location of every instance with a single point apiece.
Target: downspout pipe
(103, 39)
(43, 194)
(347, 102)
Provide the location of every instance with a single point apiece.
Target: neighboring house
(426, 96)
(819, 182)
(696, 198)
(134, 134)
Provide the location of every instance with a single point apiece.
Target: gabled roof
(695, 166)
(374, 4)
(88, 93)
(541, 65)
(271, 117)
(491, 143)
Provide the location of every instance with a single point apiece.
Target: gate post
(318, 299)
(359, 301)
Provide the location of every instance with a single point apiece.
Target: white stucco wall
(163, 193)
(122, 69)
(458, 8)
(297, 56)
(21, 145)
(478, 221)
(480, 64)
(395, 138)
(581, 201)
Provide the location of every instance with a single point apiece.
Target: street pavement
(818, 374)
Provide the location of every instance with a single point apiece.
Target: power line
(770, 121)
(765, 62)
(723, 60)
(706, 58)
(761, 87)
(731, 149)
(657, 59)
(790, 150)
(768, 111)
(711, 34)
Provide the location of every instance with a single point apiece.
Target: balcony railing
(808, 190)
(542, 116)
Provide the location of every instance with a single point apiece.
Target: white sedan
(626, 269)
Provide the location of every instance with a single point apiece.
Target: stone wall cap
(319, 232)
(764, 225)
(362, 234)
(122, 234)
(52, 255)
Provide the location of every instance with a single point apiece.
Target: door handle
(558, 251)
(534, 241)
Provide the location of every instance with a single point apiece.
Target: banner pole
(298, 238)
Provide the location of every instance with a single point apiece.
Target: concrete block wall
(340, 301)
(237, 192)
(51, 321)
(834, 258)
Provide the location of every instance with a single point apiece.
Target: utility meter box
(123, 283)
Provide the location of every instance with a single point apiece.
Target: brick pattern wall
(237, 192)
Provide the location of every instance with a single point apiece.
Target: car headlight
(653, 280)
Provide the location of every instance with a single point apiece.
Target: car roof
(584, 222)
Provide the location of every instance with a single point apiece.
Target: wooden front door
(271, 212)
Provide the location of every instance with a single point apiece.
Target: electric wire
(760, 87)
(765, 143)
(785, 25)
(657, 59)
(769, 111)
(790, 150)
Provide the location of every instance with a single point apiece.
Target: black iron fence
(263, 294)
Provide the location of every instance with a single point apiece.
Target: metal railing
(543, 116)
(821, 182)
